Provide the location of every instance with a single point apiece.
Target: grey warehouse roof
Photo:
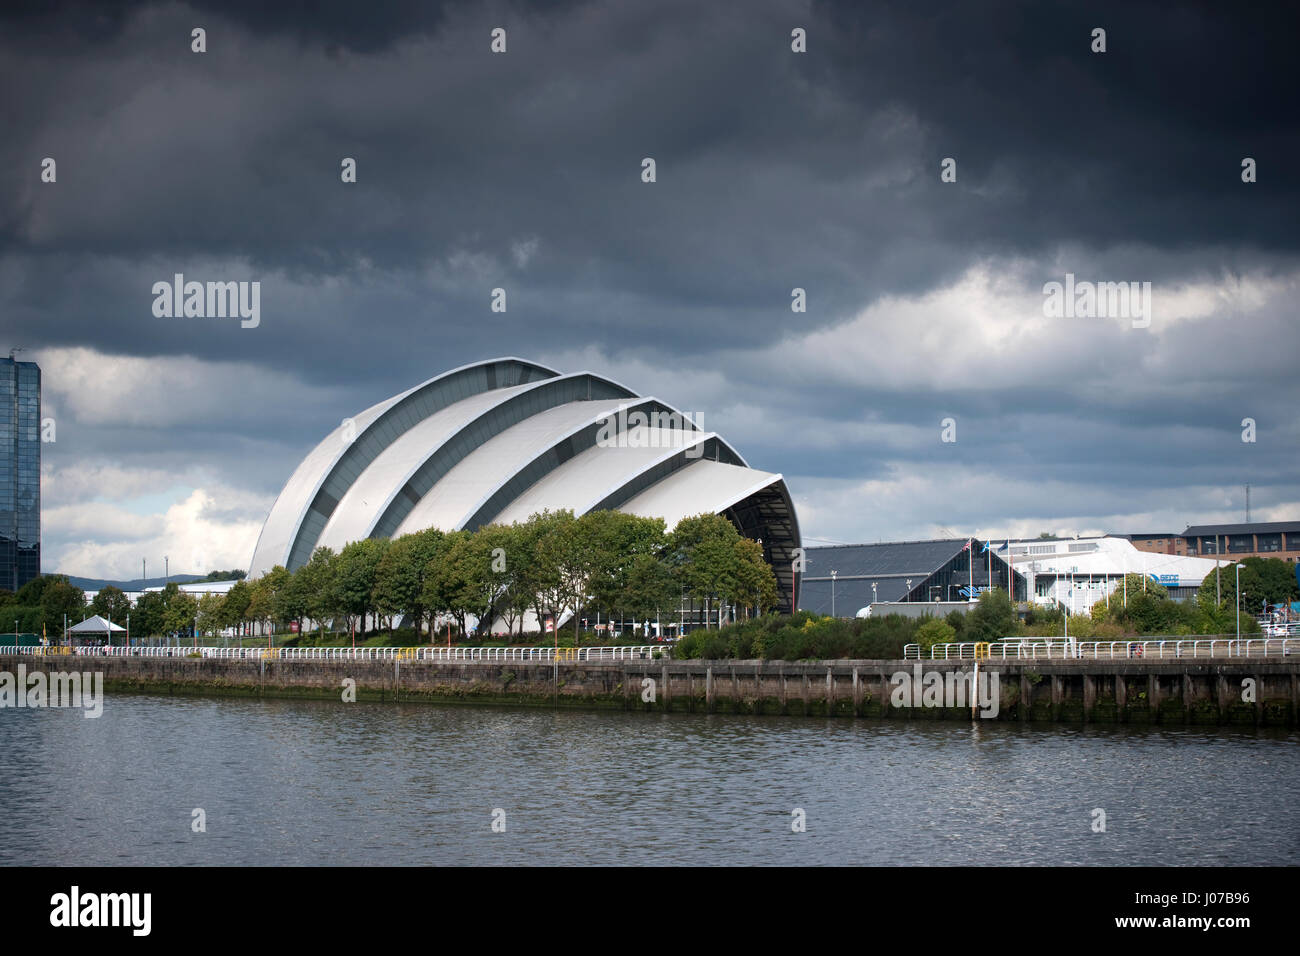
(857, 566)
(1268, 527)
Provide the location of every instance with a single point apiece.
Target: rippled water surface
(285, 782)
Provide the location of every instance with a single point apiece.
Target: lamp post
(909, 589)
(873, 592)
(833, 573)
(1239, 567)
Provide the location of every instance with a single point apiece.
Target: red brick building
(1275, 539)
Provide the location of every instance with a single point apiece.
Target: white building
(1079, 572)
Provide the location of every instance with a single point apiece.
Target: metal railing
(1059, 649)
(485, 655)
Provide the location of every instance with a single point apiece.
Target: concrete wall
(1073, 691)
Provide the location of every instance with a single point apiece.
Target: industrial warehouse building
(1074, 573)
(843, 579)
(497, 441)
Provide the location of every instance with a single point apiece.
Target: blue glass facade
(20, 473)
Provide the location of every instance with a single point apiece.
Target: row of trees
(41, 605)
(604, 562)
(45, 603)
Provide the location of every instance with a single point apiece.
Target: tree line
(604, 562)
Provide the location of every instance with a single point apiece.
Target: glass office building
(20, 473)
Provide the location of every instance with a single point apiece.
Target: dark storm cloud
(775, 170)
(1141, 143)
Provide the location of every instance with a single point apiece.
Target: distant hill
(136, 584)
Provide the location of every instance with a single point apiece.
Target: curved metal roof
(497, 441)
(308, 499)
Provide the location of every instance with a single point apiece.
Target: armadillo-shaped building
(497, 441)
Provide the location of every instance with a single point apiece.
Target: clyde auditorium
(497, 441)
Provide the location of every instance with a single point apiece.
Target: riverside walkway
(458, 655)
(1060, 649)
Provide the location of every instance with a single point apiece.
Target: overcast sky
(775, 170)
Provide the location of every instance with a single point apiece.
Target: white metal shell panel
(286, 514)
(587, 478)
(702, 486)
(369, 495)
(460, 492)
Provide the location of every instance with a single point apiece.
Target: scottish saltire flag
(987, 545)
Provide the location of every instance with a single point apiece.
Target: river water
(308, 782)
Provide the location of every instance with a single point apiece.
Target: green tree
(401, 576)
(540, 576)
(449, 583)
(754, 582)
(618, 539)
(564, 564)
(262, 604)
(504, 548)
(147, 616)
(60, 597)
(310, 591)
(992, 618)
(234, 610)
(704, 556)
(211, 614)
(356, 571)
(1263, 580)
(112, 604)
(466, 578)
(934, 631)
(180, 609)
(650, 587)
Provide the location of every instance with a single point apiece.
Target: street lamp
(873, 592)
(1239, 567)
(909, 589)
(833, 573)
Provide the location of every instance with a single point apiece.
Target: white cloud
(190, 533)
(161, 391)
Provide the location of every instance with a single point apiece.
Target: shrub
(934, 631)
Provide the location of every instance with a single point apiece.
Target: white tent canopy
(95, 625)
